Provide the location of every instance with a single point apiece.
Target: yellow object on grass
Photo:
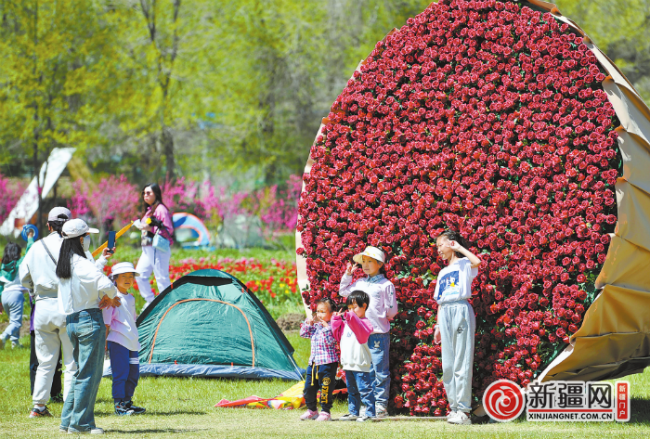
(290, 399)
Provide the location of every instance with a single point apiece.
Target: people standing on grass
(352, 330)
(381, 310)
(456, 323)
(82, 285)
(157, 230)
(56, 391)
(122, 341)
(38, 273)
(12, 293)
(323, 361)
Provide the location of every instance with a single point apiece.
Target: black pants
(320, 377)
(33, 365)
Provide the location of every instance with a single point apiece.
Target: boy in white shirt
(456, 323)
(122, 341)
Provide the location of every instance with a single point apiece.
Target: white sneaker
(461, 418)
(451, 416)
(381, 411)
(95, 430)
(348, 417)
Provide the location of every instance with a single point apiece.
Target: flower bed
(273, 282)
(488, 118)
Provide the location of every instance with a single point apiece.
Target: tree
(620, 28)
(51, 52)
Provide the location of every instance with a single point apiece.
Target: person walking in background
(381, 310)
(81, 287)
(12, 292)
(122, 341)
(38, 273)
(157, 227)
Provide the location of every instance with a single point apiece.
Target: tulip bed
(487, 118)
(273, 281)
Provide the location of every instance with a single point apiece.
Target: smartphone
(111, 240)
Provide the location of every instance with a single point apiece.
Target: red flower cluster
(273, 282)
(487, 118)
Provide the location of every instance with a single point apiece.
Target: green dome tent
(207, 324)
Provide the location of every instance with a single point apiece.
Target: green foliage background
(156, 89)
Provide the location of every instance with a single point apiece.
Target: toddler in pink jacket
(352, 330)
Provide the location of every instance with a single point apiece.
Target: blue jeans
(126, 371)
(379, 345)
(12, 302)
(88, 335)
(360, 390)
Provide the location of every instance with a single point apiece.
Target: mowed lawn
(184, 408)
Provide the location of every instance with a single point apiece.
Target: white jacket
(383, 300)
(352, 334)
(85, 288)
(38, 272)
(122, 319)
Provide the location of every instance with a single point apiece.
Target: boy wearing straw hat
(381, 310)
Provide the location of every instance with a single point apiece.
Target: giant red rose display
(488, 118)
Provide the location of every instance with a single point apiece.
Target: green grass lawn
(185, 407)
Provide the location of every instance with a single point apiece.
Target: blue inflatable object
(190, 231)
(26, 229)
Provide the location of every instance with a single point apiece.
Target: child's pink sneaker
(324, 416)
(310, 415)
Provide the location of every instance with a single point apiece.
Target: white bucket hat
(75, 228)
(123, 267)
(371, 252)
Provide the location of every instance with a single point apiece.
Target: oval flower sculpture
(500, 120)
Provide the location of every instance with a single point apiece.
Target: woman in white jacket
(38, 274)
(81, 288)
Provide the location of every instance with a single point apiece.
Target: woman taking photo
(157, 229)
(82, 286)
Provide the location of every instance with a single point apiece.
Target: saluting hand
(351, 268)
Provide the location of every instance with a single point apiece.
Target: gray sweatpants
(457, 326)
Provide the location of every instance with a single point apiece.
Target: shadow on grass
(151, 413)
(640, 411)
(158, 430)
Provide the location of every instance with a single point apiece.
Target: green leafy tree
(52, 55)
(621, 28)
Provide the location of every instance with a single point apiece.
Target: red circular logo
(503, 400)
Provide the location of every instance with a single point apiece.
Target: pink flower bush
(114, 197)
(9, 195)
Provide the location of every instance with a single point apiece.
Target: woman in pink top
(157, 219)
